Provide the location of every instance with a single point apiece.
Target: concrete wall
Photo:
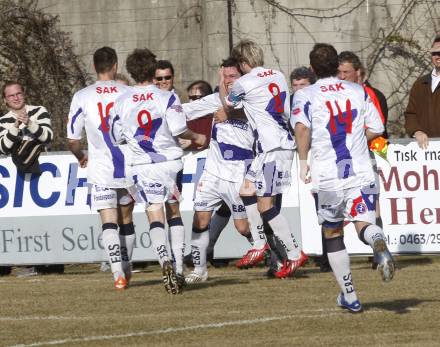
(193, 34)
(171, 29)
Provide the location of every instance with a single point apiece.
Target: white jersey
(337, 112)
(264, 95)
(90, 109)
(232, 141)
(148, 120)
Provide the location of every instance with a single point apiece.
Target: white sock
(159, 241)
(255, 222)
(127, 239)
(177, 241)
(340, 263)
(216, 226)
(112, 246)
(199, 245)
(371, 233)
(281, 229)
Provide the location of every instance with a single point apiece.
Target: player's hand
(221, 79)
(200, 141)
(220, 115)
(422, 139)
(184, 144)
(304, 172)
(83, 161)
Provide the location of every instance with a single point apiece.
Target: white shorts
(156, 183)
(271, 172)
(212, 191)
(356, 204)
(104, 198)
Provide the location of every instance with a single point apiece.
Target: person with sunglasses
(421, 115)
(197, 90)
(164, 76)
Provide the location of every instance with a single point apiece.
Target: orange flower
(380, 146)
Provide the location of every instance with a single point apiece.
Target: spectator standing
(203, 125)
(351, 69)
(422, 113)
(300, 78)
(164, 76)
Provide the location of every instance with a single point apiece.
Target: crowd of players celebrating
(134, 156)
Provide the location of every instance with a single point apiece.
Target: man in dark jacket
(422, 115)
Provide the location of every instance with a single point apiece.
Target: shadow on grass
(212, 282)
(141, 283)
(397, 306)
(215, 282)
(403, 262)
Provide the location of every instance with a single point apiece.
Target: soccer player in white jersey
(149, 120)
(335, 119)
(230, 150)
(263, 94)
(89, 110)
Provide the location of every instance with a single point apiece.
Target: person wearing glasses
(164, 76)
(23, 122)
(421, 115)
(203, 125)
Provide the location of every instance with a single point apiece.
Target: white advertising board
(47, 219)
(409, 204)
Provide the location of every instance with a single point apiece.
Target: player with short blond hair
(263, 95)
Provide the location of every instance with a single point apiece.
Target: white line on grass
(325, 313)
(136, 316)
(118, 316)
(22, 318)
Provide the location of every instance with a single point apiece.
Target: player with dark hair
(149, 120)
(343, 119)
(230, 149)
(89, 110)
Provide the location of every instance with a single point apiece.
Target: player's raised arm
(202, 107)
(176, 121)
